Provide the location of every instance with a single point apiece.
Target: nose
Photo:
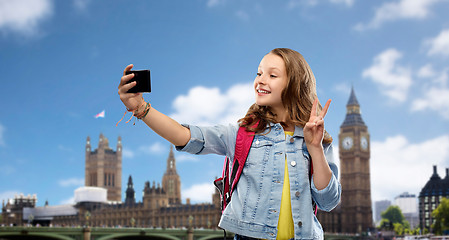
(260, 79)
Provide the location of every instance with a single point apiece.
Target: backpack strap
(226, 184)
(242, 146)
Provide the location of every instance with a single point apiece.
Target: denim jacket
(255, 203)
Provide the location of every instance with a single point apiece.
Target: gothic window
(105, 179)
(171, 186)
(113, 180)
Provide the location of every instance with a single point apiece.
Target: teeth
(262, 91)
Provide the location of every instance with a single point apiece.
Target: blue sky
(61, 62)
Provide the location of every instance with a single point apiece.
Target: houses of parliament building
(99, 202)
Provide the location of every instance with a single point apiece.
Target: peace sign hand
(314, 128)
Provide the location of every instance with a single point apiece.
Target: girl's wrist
(314, 147)
(140, 108)
(143, 110)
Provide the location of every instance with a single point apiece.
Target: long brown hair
(297, 96)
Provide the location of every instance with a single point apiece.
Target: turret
(119, 145)
(171, 182)
(88, 147)
(130, 193)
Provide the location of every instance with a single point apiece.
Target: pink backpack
(226, 184)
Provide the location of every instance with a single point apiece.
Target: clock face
(364, 143)
(347, 143)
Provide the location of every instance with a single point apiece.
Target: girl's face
(270, 81)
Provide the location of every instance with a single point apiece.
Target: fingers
(129, 67)
(325, 108)
(125, 85)
(317, 123)
(125, 79)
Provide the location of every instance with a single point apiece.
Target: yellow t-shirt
(286, 229)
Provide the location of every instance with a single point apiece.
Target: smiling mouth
(262, 91)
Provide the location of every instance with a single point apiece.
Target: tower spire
(171, 162)
(171, 182)
(130, 193)
(353, 99)
(353, 113)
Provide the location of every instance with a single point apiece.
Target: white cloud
(348, 3)
(343, 88)
(214, 3)
(181, 157)
(8, 195)
(207, 106)
(393, 80)
(242, 15)
(336, 154)
(6, 170)
(439, 45)
(436, 99)
(24, 16)
(426, 71)
(127, 153)
(71, 182)
(2, 134)
(64, 149)
(155, 148)
(400, 166)
(81, 5)
(199, 193)
(402, 9)
(435, 93)
(295, 3)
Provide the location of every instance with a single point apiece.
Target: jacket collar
(298, 129)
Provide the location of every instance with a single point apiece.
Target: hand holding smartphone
(143, 80)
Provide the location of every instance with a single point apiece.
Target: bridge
(96, 233)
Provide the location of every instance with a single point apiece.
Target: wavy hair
(297, 96)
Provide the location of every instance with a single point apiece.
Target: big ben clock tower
(354, 149)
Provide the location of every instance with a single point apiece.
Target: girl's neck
(282, 116)
(288, 127)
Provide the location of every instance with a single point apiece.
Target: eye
(259, 74)
(273, 76)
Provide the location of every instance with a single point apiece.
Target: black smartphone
(143, 79)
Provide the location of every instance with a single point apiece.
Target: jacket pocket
(260, 150)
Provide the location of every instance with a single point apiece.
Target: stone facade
(12, 211)
(161, 206)
(104, 167)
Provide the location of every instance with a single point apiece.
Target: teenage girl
(273, 198)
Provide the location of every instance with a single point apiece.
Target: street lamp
(87, 216)
(30, 219)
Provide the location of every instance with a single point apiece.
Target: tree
(392, 219)
(393, 214)
(441, 216)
